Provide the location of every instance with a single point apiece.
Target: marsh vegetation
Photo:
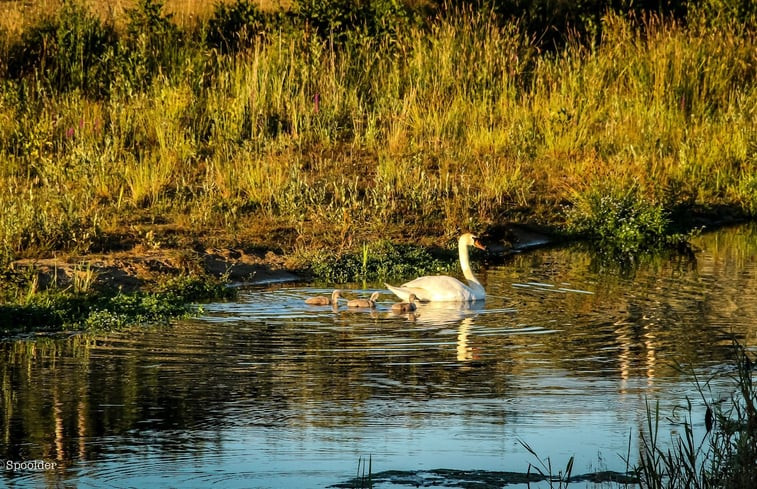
(316, 128)
(332, 122)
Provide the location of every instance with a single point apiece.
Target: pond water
(268, 392)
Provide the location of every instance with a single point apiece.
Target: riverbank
(156, 284)
(304, 137)
(344, 146)
(88, 292)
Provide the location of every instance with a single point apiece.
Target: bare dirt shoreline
(133, 270)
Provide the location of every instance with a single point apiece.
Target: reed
(455, 122)
(724, 457)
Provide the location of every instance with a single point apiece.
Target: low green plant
(348, 20)
(378, 260)
(235, 26)
(83, 279)
(151, 46)
(81, 307)
(621, 221)
(72, 49)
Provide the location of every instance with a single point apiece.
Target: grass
(724, 457)
(545, 470)
(237, 125)
(379, 260)
(363, 479)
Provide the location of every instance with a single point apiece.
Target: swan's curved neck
(465, 264)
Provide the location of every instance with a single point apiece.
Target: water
(269, 392)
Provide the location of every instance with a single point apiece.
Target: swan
(403, 307)
(442, 288)
(323, 300)
(364, 302)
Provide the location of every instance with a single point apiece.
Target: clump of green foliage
(23, 308)
(236, 26)
(622, 222)
(379, 260)
(71, 49)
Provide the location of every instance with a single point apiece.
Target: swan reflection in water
(464, 352)
(462, 314)
(445, 313)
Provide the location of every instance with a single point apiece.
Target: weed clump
(24, 307)
(377, 261)
(621, 221)
(235, 26)
(71, 50)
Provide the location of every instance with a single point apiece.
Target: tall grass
(457, 122)
(723, 458)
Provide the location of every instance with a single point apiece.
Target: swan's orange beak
(478, 244)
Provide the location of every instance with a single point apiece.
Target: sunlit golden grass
(458, 126)
(17, 15)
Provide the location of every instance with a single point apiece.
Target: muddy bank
(480, 479)
(137, 269)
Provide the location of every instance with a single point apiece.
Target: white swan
(442, 288)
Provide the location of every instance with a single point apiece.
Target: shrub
(151, 45)
(72, 50)
(621, 221)
(342, 20)
(235, 26)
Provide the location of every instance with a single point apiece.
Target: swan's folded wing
(433, 288)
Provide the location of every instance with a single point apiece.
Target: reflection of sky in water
(269, 392)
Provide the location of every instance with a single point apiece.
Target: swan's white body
(441, 288)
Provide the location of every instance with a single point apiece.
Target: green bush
(343, 20)
(72, 50)
(235, 26)
(152, 44)
(24, 308)
(620, 221)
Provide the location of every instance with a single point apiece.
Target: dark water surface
(269, 392)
